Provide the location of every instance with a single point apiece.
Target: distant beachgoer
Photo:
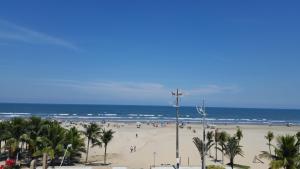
(131, 149)
(136, 135)
(134, 148)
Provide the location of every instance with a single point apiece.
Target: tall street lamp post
(202, 112)
(177, 94)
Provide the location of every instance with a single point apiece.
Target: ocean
(131, 113)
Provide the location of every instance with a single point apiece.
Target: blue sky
(232, 53)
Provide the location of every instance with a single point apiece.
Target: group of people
(132, 149)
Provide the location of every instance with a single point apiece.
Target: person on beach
(136, 135)
(134, 148)
(131, 149)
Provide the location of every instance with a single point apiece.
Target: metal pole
(177, 94)
(202, 112)
(69, 145)
(204, 147)
(177, 139)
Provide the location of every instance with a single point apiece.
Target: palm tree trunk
(45, 159)
(270, 147)
(87, 151)
(202, 162)
(231, 163)
(216, 153)
(105, 146)
(222, 157)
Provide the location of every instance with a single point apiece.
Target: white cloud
(136, 90)
(11, 31)
(212, 89)
(116, 89)
(106, 92)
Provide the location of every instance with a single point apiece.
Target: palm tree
(232, 149)
(209, 136)
(222, 142)
(239, 134)
(39, 138)
(298, 140)
(56, 135)
(106, 137)
(286, 153)
(201, 146)
(34, 126)
(73, 137)
(269, 137)
(44, 149)
(217, 138)
(25, 139)
(92, 132)
(17, 127)
(5, 134)
(2, 128)
(12, 146)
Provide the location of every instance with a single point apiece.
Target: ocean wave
(150, 117)
(227, 119)
(277, 121)
(63, 114)
(7, 113)
(147, 115)
(110, 114)
(132, 114)
(245, 119)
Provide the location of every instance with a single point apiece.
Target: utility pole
(177, 94)
(202, 112)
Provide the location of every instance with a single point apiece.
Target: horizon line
(98, 104)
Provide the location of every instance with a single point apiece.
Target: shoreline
(160, 139)
(162, 122)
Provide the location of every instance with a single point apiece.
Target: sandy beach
(161, 140)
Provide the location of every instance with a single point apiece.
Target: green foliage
(286, 153)
(239, 134)
(269, 137)
(241, 166)
(34, 136)
(217, 139)
(223, 137)
(232, 149)
(74, 138)
(202, 148)
(93, 134)
(12, 146)
(215, 167)
(106, 137)
(210, 135)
